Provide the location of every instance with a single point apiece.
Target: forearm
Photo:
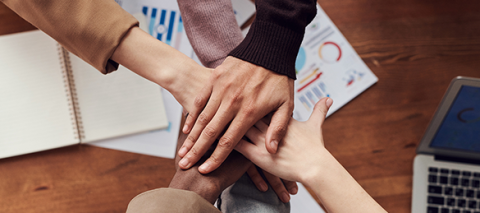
(211, 29)
(161, 64)
(337, 189)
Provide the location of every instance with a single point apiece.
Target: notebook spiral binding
(70, 89)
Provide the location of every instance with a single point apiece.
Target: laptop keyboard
(453, 191)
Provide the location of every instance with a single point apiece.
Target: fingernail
(183, 163)
(285, 197)
(204, 167)
(293, 190)
(182, 151)
(185, 128)
(263, 187)
(329, 102)
(274, 144)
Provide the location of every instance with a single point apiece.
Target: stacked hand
(237, 95)
(184, 78)
(302, 157)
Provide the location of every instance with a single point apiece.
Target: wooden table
(414, 47)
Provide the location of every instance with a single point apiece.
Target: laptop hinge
(457, 159)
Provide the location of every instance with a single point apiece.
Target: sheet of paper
(243, 9)
(35, 112)
(327, 66)
(160, 143)
(163, 21)
(304, 202)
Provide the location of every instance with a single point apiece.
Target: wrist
(325, 169)
(148, 57)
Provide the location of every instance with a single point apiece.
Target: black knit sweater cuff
(271, 46)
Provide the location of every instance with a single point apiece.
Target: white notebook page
(34, 108)
(116, 104)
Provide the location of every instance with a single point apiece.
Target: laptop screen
(460, 128)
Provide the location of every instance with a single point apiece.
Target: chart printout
(327, 66)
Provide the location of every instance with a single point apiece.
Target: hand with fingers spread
(238, 95)
(302, 157)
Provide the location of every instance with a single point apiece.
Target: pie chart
(330, 52)
(301, 59)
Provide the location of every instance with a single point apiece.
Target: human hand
(163, 65)
(300, 149)
(210, 186)
(239, 93)
(281, 187)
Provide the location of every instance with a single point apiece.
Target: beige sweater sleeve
(90, 29)
(170, 201)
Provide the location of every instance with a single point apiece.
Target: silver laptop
(446, 170)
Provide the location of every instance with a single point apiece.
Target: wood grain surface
(415, 47)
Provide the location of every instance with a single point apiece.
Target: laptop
(446, 170)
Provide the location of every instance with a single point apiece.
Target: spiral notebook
(50, 98)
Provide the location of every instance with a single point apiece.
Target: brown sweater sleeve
(276, 34)
(90, 29)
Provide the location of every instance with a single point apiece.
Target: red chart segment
(330, 52)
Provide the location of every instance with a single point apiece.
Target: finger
(320, 112)
(262, 126)
(198, 104)
(202, 121)
(277, 186)
(247, 149)
(278, 127)
(207, 136)
(227, 142)
(291, 186)
(255, 135)
(257, 178)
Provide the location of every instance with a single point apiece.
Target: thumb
(320, 111)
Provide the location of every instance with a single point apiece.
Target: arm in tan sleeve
(90, 29)
(170, 201)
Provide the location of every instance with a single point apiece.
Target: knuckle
(234, 98)
(203, 119)
(210, 132)
(198, 102)
(194, 152)
(249, 110)
(190, 140)
(225, 142)
(215, 160)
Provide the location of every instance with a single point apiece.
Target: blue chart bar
(178, 39)
(170, 27)
(145, 10)
(311, 97)
(305, 102)
(152, 20)
(162, 24)
(317, 93)
(180, 25)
